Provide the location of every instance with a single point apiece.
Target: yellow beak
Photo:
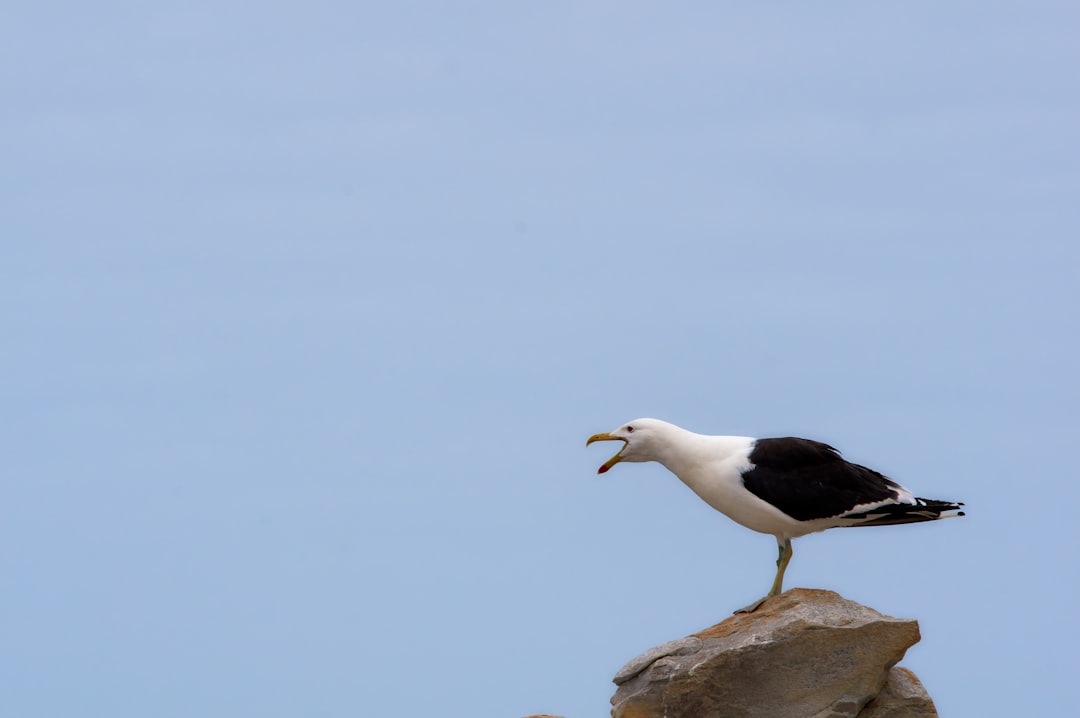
(614, 459)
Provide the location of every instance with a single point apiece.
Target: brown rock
(803, 654)
(902, 697)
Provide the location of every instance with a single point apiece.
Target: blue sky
(308, 312)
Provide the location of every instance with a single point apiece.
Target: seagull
(787, 487)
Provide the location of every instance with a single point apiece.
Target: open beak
(614, 459)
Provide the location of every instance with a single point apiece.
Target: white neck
(685, 452)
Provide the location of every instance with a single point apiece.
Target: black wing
(810, 480)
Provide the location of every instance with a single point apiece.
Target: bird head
(640, 441)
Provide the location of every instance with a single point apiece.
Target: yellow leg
(778, 583)
(781, 565)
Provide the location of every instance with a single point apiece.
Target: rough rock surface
(902, 697)
(803, 654)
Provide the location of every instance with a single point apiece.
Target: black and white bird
(786, 487)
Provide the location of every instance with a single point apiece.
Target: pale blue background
(308, 310)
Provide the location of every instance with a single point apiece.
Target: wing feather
(810, 480)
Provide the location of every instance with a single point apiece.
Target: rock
(902, 697)
(803, 654)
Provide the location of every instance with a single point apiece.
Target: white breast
(713, 470)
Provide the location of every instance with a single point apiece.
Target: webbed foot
(753, 606)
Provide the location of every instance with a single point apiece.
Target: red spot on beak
(602, 469)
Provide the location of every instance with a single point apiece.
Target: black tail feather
(891, 514)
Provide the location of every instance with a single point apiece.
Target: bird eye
(629, 430)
